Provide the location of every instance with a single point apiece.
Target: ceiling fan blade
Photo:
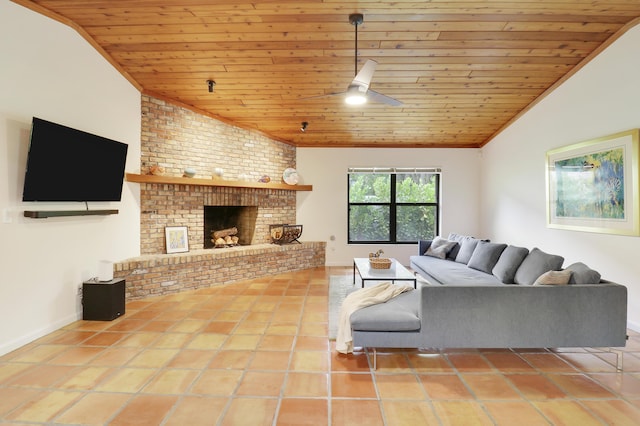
(322, 96)
(379, 97)
(364, 76)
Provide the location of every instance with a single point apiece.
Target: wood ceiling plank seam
(525, 35)
(373, 19)
(337, 29)
(455, 60)
(247, 28)
(511, 17)
(557, 53)
(263, 38)
(598, 27)
(408, 68)
(495, 44)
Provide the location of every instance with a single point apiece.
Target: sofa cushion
(554, 278)
(485, 256)
(535, 264)
(509, 262)
(439, 247)
(582, 274)
(402, 313)
(446, 272)
(467, 247)
(456, 237)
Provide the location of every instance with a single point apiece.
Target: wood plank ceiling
(462, 68)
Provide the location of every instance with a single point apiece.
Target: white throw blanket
(364, 297)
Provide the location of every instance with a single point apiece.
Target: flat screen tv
(66, 164)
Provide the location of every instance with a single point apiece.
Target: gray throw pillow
(582, 274)
(509, 262)
(535, 264)
(456, 248)
(440, 247)
(485, 256)
(467, 248)
(454, 251)
(554, 278)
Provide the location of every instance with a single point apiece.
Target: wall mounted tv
(66, 164)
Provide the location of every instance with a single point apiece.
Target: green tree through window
(393, 207)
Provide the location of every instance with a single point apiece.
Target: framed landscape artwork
(592, 186)
(177, 239)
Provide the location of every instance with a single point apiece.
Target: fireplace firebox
(217, 218)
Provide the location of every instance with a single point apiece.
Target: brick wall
(174, 138)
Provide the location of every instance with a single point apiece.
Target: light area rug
(340, 286)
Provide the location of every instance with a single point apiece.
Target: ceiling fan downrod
(356, 19)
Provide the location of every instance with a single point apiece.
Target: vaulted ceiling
(462, 69)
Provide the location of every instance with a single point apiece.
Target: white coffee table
(397, 272)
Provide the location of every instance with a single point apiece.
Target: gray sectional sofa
(478, 294)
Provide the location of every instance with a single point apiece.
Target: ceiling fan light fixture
(355, 96)
(355, 99)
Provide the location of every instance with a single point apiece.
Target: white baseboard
(338, 264)
(7, 347)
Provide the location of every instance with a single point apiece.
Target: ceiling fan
(358, 91)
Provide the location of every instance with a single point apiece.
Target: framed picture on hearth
(177, 239)
(592, 186)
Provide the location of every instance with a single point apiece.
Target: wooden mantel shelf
(133, 177)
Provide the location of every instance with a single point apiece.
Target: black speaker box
(103, 300)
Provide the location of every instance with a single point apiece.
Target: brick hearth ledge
(158, 274)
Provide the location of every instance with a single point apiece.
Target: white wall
(601, 99)
(323, 211)
(49, 71)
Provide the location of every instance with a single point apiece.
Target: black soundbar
(43, 214)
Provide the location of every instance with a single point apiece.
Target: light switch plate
(6, 216)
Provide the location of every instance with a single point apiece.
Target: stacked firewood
(225, 237)
(285, 234)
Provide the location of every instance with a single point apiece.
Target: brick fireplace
(175, 137)
(183, 205)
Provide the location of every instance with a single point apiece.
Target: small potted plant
(376, 254)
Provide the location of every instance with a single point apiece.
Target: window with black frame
(393, 205)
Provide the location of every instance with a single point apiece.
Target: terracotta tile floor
(257, 352)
